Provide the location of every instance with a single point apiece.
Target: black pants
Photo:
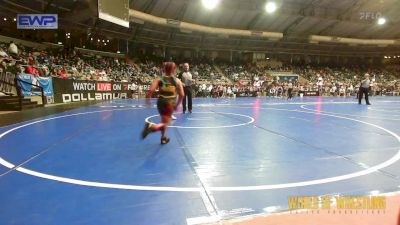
(188, 95)
(360, 95)
(289, 91)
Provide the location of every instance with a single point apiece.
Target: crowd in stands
(67, 64)
(344, 81)
(328, 81)
(212, 80)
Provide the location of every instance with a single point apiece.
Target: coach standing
(187, 81)
(364, 88)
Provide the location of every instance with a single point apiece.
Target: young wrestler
(168, 87)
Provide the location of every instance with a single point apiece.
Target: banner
(287, 78)
(67, 90)
(9, 78)
(37, 21)
(246, 94)
(310, 93)
(30, 90)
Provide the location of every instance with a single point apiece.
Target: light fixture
(270, 7)
(210, 4)
(394, 57)
(108, 40)
(5, 19)
(389, 57)
(68, 37)
(15, 19)
(84, 46)
(103, 41)
(118, 52)
(381, 21)
(385, 57)
(91, 39)
(267, 58)
(60, 43)
(98, 40)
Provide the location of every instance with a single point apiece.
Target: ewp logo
(37, 21)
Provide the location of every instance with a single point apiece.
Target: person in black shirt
(364, 88)
(290, 89)
(187, 81)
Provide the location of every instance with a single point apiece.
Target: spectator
(16, 69)
(31, 69)
(13, 49)
(3, 54)
(62, 73)
(44, 72)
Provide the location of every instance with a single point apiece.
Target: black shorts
(165, 106)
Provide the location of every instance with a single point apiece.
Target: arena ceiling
(296, 19)
(293, 17)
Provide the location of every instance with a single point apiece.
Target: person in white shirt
(204, 90)
(333, 90)
(229, 91)
(342, 91)
(13, 49)
(301, 91)
(371, 86)
(320, 84)
(209, 89)
(272, 91)
(350, 90)
(3, 54)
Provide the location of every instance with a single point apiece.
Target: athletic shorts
(165, 106)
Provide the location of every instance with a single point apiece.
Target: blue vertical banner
(30, 90)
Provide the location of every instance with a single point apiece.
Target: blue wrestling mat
(230, 157)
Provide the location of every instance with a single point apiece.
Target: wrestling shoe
(164, 140)
(146, 130)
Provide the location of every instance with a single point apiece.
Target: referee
(364, 88)
(187, 81)
(290, 89)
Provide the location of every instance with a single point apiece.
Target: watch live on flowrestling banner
(337, 203)
(75, 90)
